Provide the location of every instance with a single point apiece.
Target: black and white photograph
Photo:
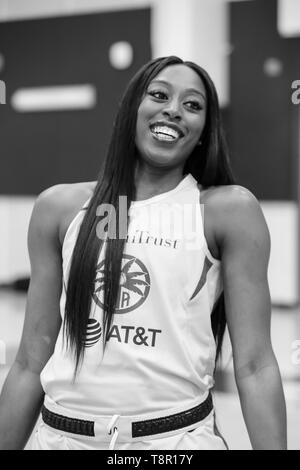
(150, 227)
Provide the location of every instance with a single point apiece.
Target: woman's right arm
(22, 394)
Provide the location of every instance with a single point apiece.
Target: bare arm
(22, 394)
(245, 245)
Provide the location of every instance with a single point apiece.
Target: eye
(194, 105)
(160, 95)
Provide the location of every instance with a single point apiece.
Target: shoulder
(234, 213)
(232, 200)
(56, 206)
(229, 195)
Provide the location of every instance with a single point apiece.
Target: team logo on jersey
(134, 285)
(93, 333)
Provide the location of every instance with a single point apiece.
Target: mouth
(165, 132)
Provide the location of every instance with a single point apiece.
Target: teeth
(166, 133)
(165, 137)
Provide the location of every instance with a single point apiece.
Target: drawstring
(115, 432)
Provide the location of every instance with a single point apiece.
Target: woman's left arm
(244, 242)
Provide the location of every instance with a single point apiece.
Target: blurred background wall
(64, 65)
(93, 47)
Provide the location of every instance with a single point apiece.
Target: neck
(151, 181)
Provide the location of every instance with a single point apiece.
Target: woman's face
(171, 117)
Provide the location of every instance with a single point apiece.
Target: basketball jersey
(160, 347)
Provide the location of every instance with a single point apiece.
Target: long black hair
(208, 163)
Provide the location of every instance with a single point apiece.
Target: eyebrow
(189, 90)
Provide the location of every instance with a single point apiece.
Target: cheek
(198, 127)
(139, 119)
(142, 117)
(140, 132)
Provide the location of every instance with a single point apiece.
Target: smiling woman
(171, 116)
(122, 334)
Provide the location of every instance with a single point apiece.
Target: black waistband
(139, 428)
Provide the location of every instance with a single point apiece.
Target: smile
(165, 133)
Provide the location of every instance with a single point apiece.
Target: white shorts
(201, 436)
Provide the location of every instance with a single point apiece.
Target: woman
(131, 365)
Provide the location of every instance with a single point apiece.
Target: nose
(172, 110)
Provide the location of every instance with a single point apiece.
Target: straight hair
(208, 164)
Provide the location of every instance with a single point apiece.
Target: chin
(163, 164)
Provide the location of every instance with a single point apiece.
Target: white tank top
(161, 350)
